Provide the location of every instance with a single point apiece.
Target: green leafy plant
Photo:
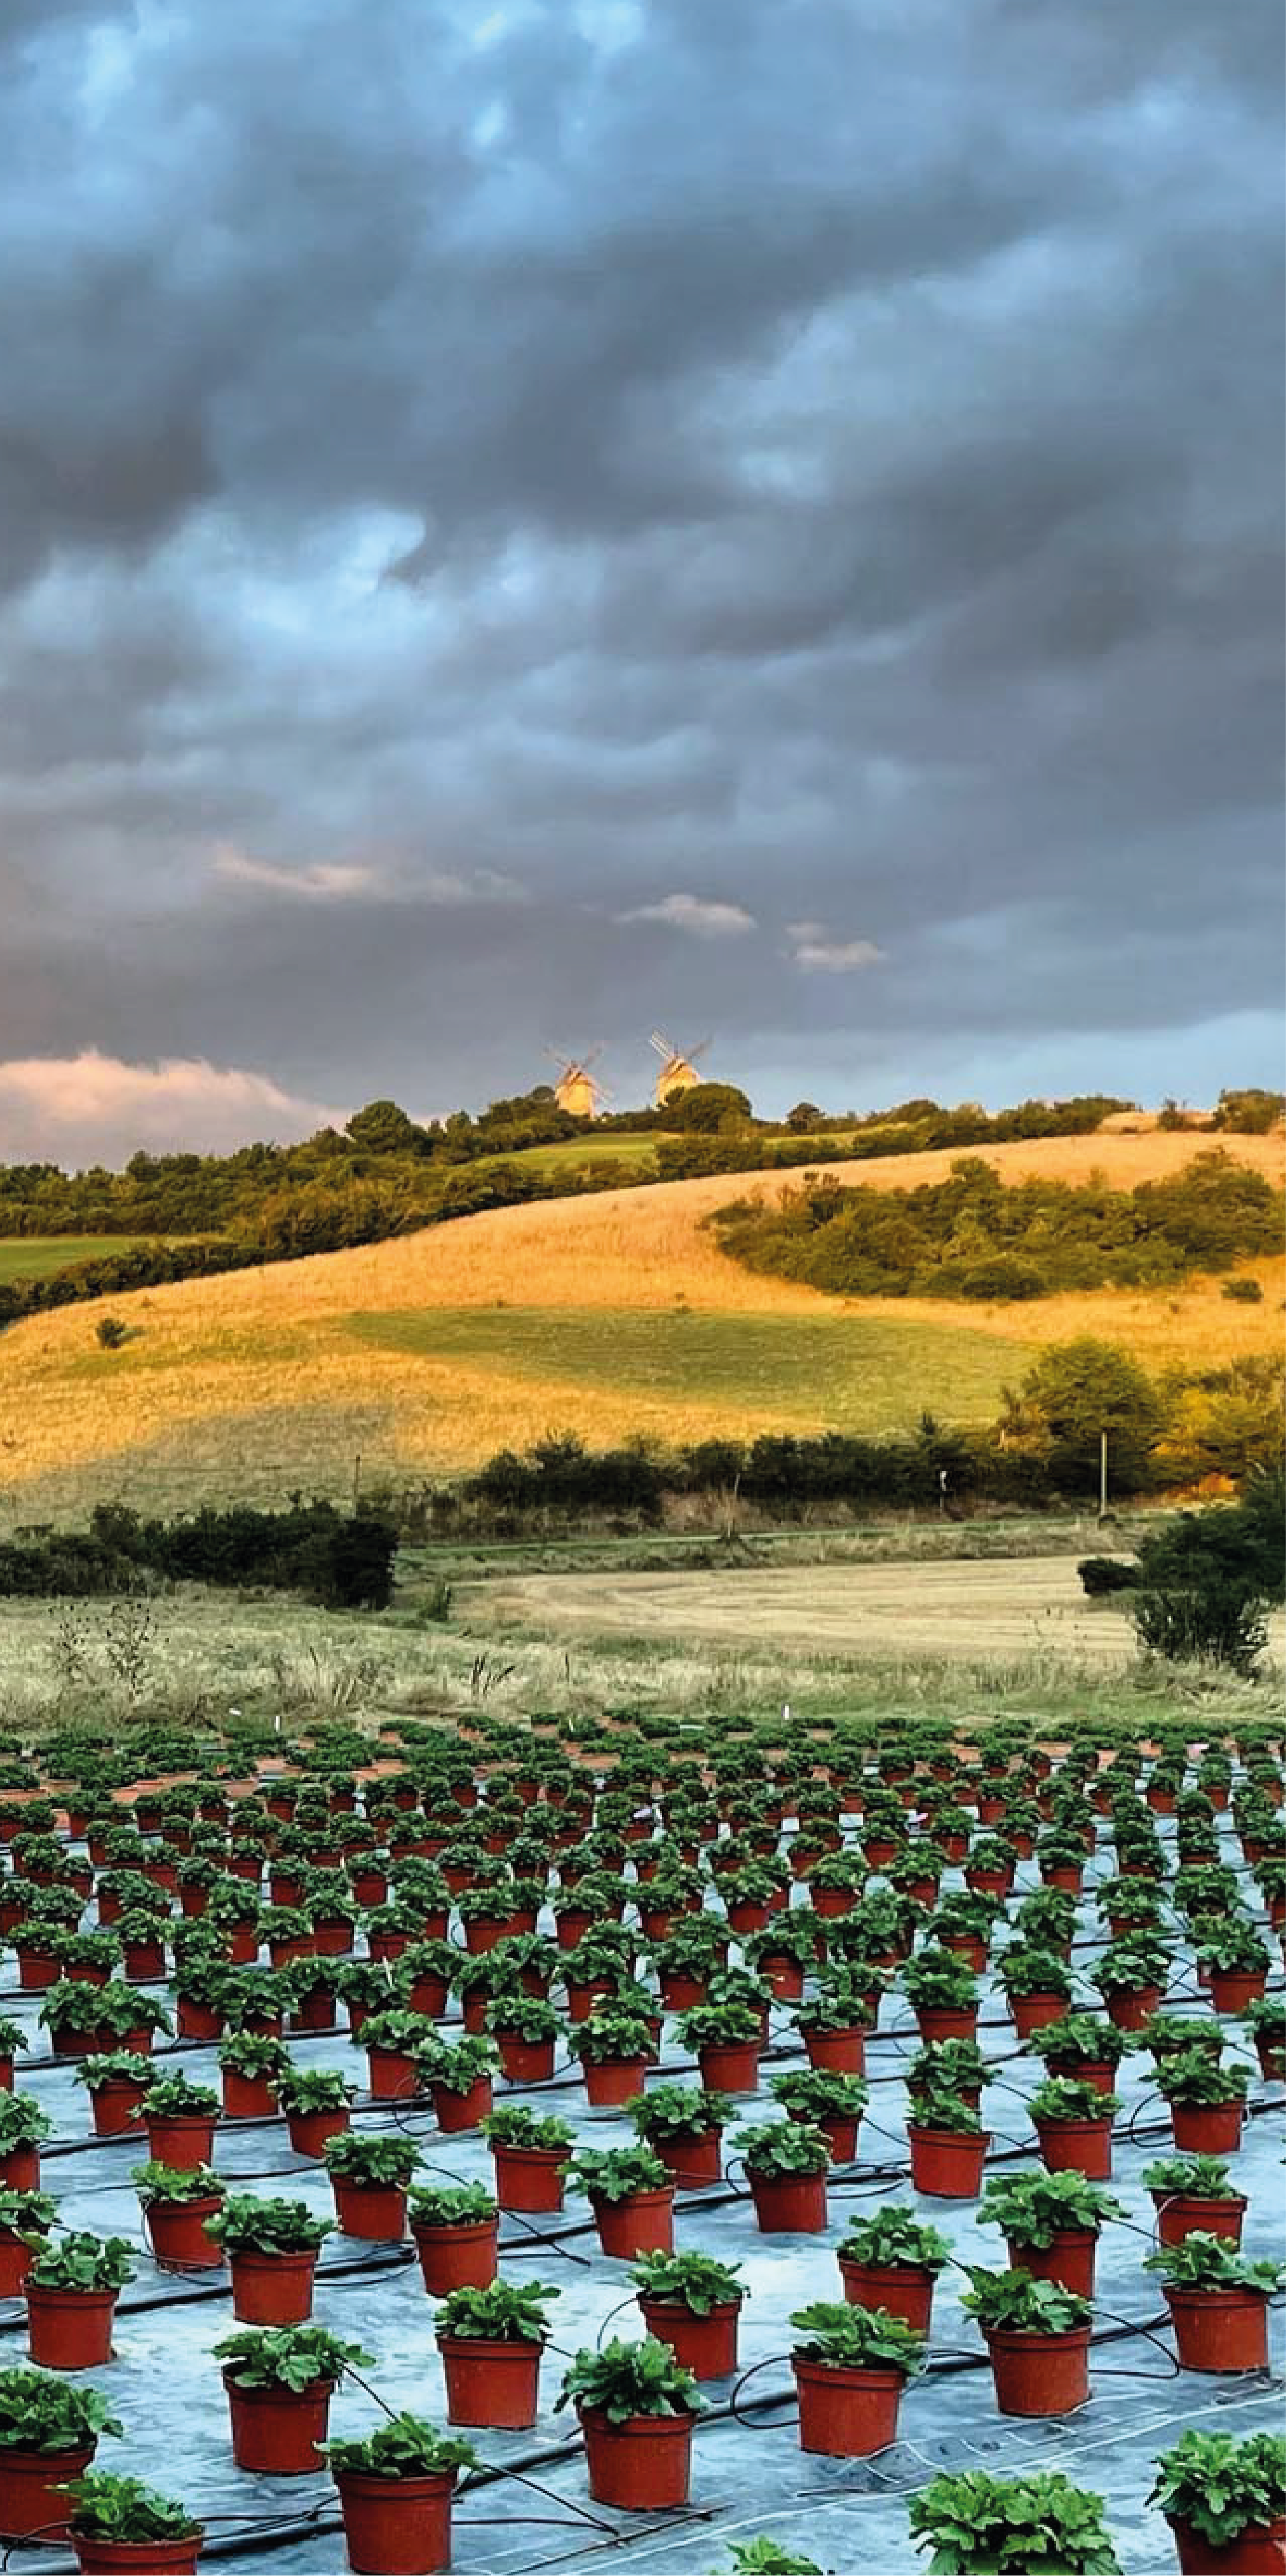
(1203, 2262)
(83, 2261)
(512, 2124)
(115, 2008)
(376, 2162)
(459, 2069)
(1191, 2177)
(940, 1981)
(405, 2447)
(464, 2204)
(615, 2174)
(678, 2111)
(1232, 1944)
(1166, 2033)
(397, 2031)
(1014, 2303)
(815, 2094)
(123, 2510)
(693, 2281)
(1079, 2039)
(765, 2557)
(1196, 2075)
(24, 2122)
(847, 2338)
(294, 2357)
(895, 2239)
(159, 2182)
(1219, 2487)
(1063, 2097)
(505, 2312)
(979, 2525)
(28, 2214)
(1032, 2208)
(170, 2097)
(251, 2052)
(40, 2412)
(783, 2150)
(318, 2088)
(628, 2379)
(1025, 1971)
(245, 2224)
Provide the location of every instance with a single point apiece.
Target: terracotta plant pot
(69, 2329)
(1208, 2128)
(1181, 2214)
(199, 2021)
(947, 2164)
(613, 2081)
(396, 2526)
(1258, 2551)
(184, 2142)
(1040, 2374)
(1269, 2058)
(835, 2052)
(731, 2069)
(137, 2557)
(526, 2061)
(1034, 2012)
(308, 2131)
(16, 2260)
(1130, 2008)
(248, 2097)
(29, 2490)
(640, 2224)
(276, 2431)
(116, 2107)
(392, 2074)
(491, 2383)
(1219, 2330)
(848, 2414)
(640, 2466)
(1233, 1989)
(374, 2211)
(456, 2258)
(693, 2163)
(938, 2021)
(1077, 2146)
(1070, 2259)
(456, 2112)
(20, 2169)
(529, 2178)
(789, 2204)
(177, 2234)
(904, 2290)
(273, 2289)
(1099, 2075)
(708, 2346)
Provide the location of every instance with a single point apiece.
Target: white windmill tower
(578, 1089)
(679, 1071)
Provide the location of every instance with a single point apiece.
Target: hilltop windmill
(577, 1089)
(679, 1072)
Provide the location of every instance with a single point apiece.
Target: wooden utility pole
(1104, 1473)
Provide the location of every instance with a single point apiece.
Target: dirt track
(978, 1613)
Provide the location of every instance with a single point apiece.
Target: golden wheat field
(609, 1315)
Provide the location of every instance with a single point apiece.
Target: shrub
(505, 2312)
(847, 2338)
(110, 1333)
(627, 2379)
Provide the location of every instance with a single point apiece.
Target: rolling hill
(609, 1314)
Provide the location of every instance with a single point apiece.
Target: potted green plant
(117, 2524)
(252, 2066)
(72, 2288)
(850, 2370)
(24, 2123)
(1051, 2224)
(82, 2018)
(980, 2525)
(316, 2102)
(635, 2405)
(1131, 1974)
(524, 2029)
(396, 2487)
(684, 2125)
(1206, 2098)
(13, 2040)
(272, 2246)
(947, 2144)
(176, 2202)
(834, 2103)
(1080, 2045)
(459, 2081)
(1264, 2023)
(1223, 2500)
(392, 2041)
(490, 2342)
(1037, 1985)
(692, 2302)
(941, 1989)
(1166, 2034)
(1038, 2336)
(180, 2118)
(49, 2433)
(892, 2261)
(280, 2381)
(116, 2084)
(834, 2024)
(614, 2045)
(1236, 1960)
(631, 2197)
(530, 2153)
(1194, 2194)
(25, 2216)
(370, 2178)
(1218, 2300)
(786, 2163)
(1075, 2126)
(455, 2230)
(726, 2041)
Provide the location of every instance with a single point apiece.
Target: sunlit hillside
(610, 1314)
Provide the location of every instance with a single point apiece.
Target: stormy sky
(519, 525)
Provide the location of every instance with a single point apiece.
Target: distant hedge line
(342, 1562)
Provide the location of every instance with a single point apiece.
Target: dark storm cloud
(502, 515)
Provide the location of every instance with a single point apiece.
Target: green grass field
(841, 1370)
(33, 1256)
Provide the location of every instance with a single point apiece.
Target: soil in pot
(491, 2383)
(69, 2329)
(640, 2466)
(1041, 2374)
(902, 2289)
(640, 2224)
(276, 2430)
(456, 2258)
(273, 2289)
(396, 2526)
(1219, 2330)
(708, 2346)
(848, 2414)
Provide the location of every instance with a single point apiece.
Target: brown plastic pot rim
(425, 2483)
(635, 2428)
(719, 2309)
(1017, 2339)
(490, 2347)
(278, 2396)
(845, 2374)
